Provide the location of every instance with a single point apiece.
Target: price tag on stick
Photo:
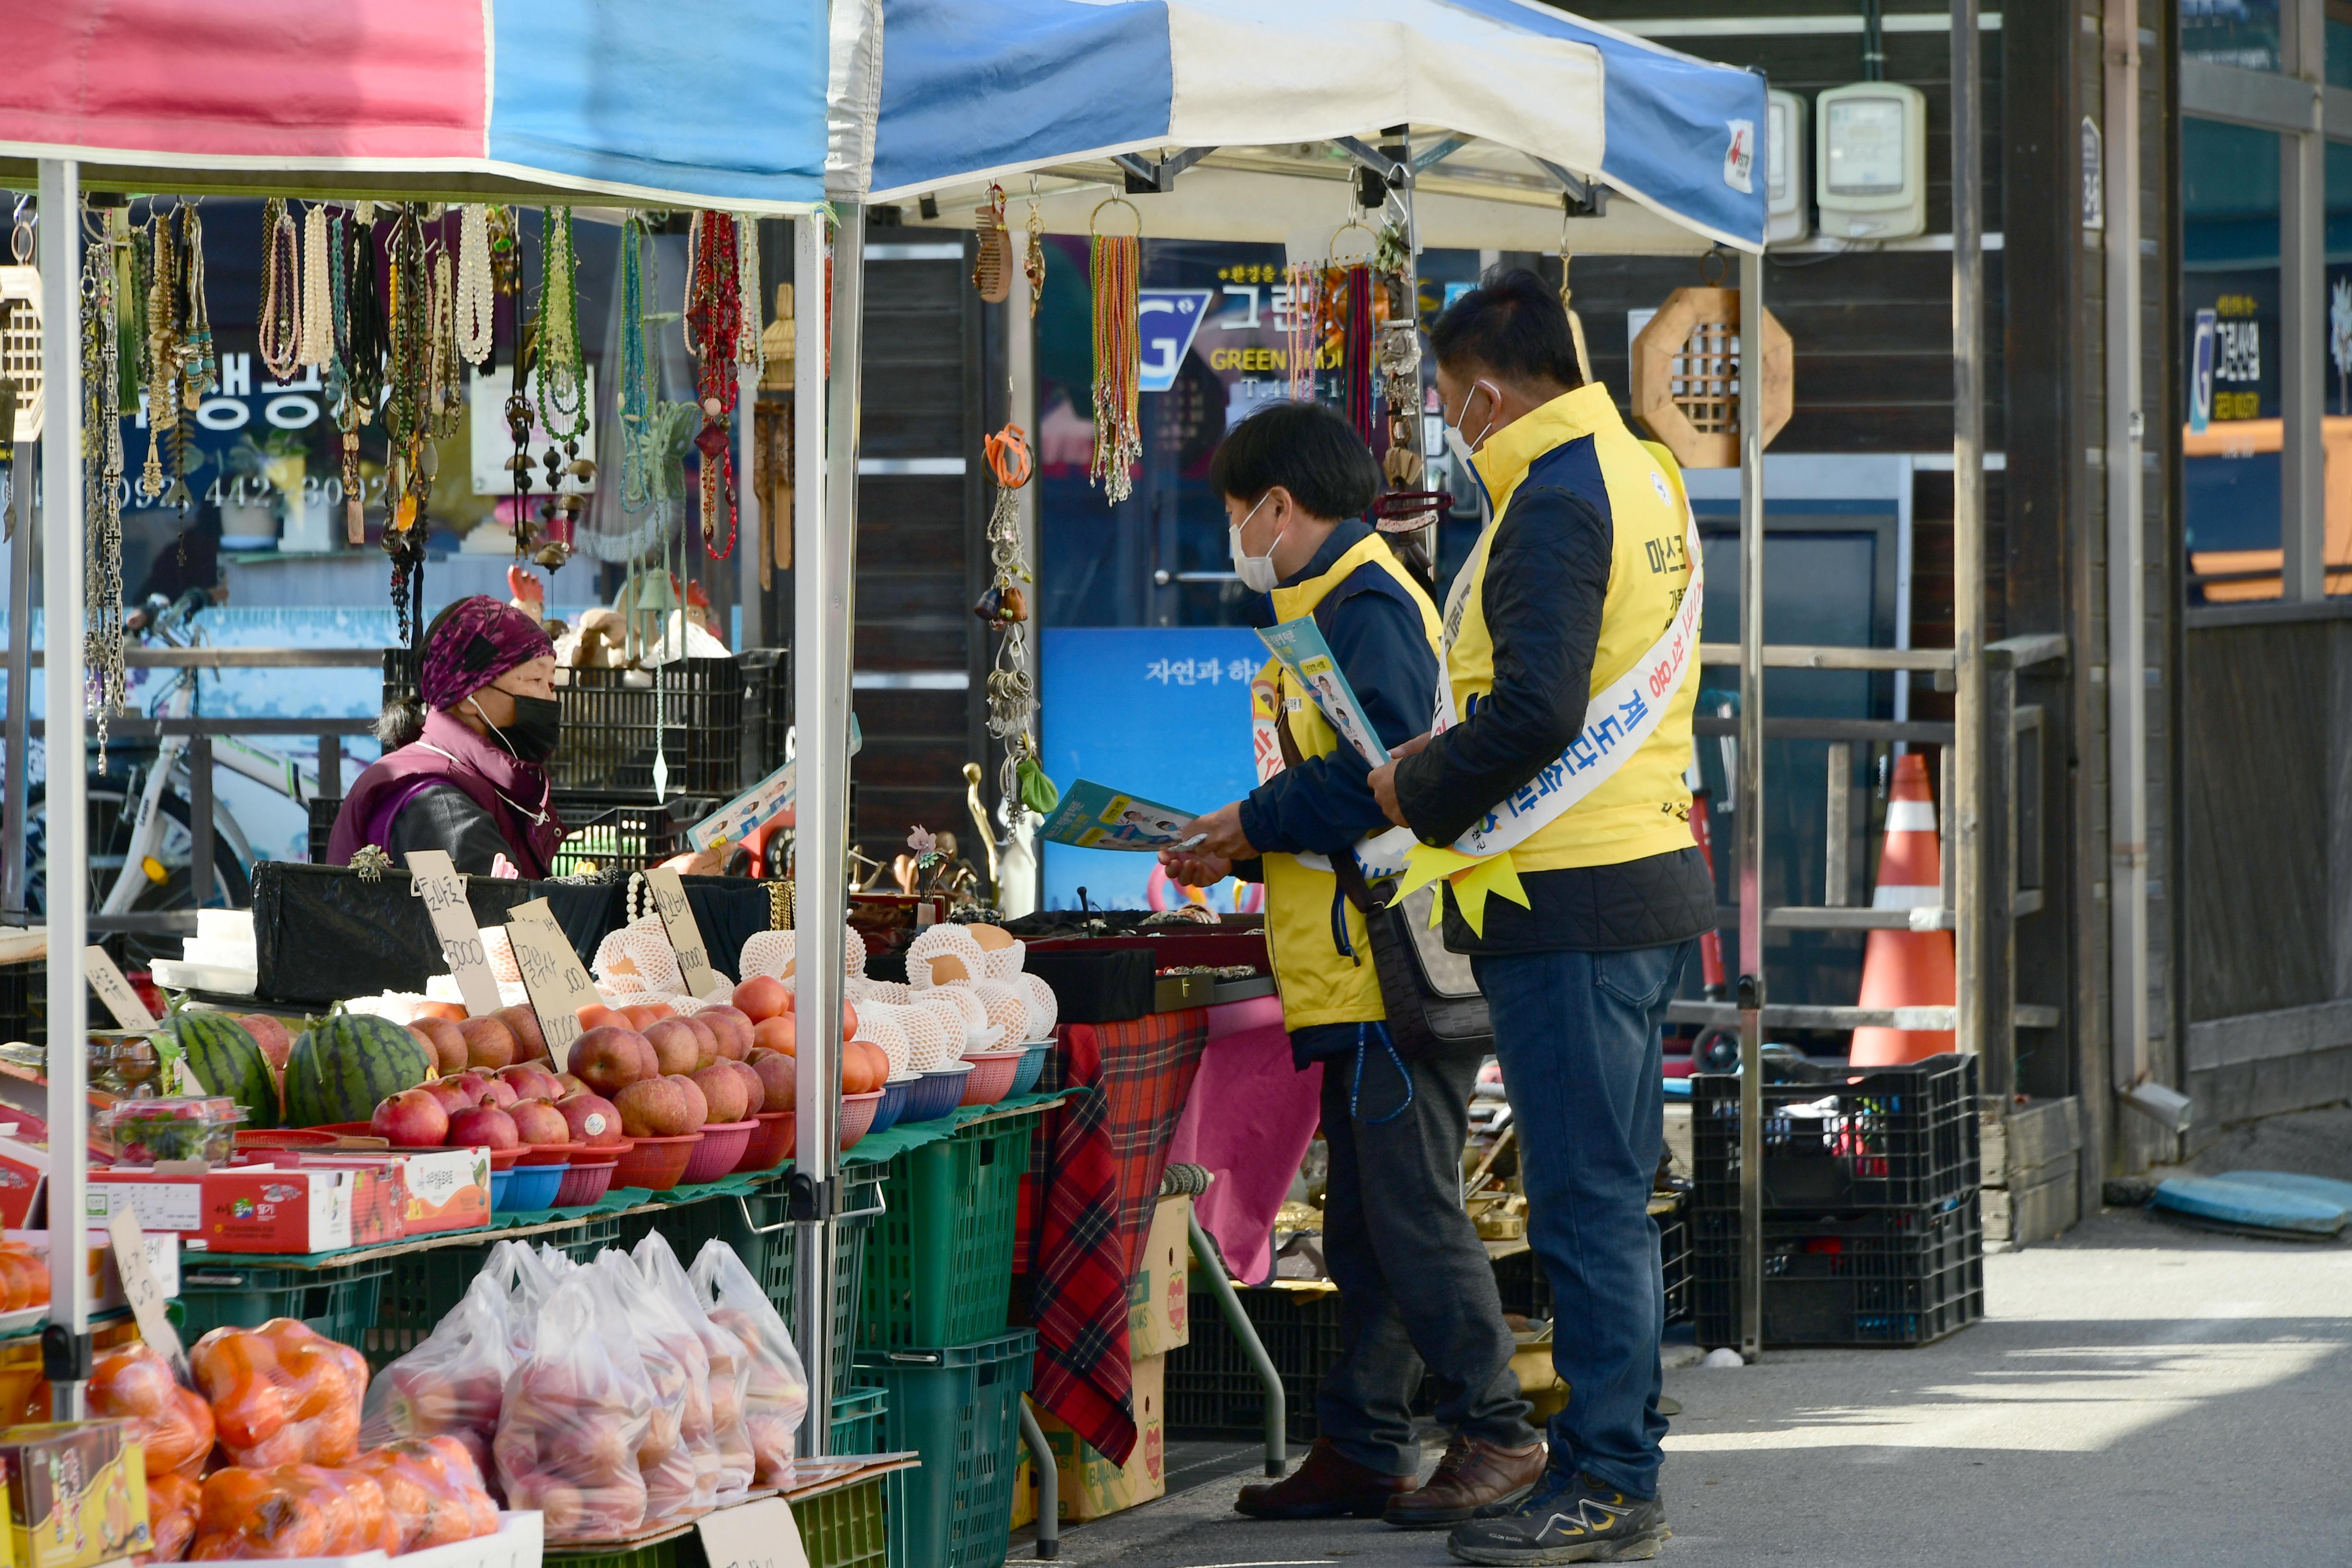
(760, 1534)
(559, 986)
(129, 1012)
(140, 1288)
(439, 883)
(685, 935)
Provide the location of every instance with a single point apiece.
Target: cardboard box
(254, 1208)
(430, 1191)
(77, 1494)
(1091, 1486)
(1158, 1290)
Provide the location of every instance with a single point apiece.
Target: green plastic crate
(218, 1291)
(959, 1407)
(423, 1285)
(847, 1527)
(660, 1554)
(858, 1420)
(861, 1198)
(941, 1271)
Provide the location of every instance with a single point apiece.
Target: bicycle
(139, 817)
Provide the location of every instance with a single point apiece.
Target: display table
(1249, 1119)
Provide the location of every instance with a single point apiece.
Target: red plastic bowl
(772, 1145)
(294, 1138)
(590, 1177)
(549, 1153)
(858, 1114)
(991, 1075)
(720, 1151)
(656, 1163)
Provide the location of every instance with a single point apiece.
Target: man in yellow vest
(1415, 1285)
(1553, 780)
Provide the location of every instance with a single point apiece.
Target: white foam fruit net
(498, 948)
(637, 958)
(930, 1045)
(879, 1025)
(943, 940)
(1004, 964)
(771, 952)
(1008, 1011)
(1044, 1007)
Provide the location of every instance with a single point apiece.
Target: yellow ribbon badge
(1471, 877)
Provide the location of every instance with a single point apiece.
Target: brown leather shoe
(1476, 1479)
(1326, 1484)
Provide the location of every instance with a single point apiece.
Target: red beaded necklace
(714, 324)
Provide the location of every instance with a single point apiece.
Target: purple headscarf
(477, 640)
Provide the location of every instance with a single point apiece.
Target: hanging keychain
(1114, 263)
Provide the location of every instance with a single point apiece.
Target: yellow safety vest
(1643, 807)
(1319, 984)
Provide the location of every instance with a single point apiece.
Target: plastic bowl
(893, 1108)
(654, 1164)
(722, 1145)
(857, 1115)
(528, 1186)
(992, 1073)
(1032, 1067)
(771, 1143)
(549, 1153)
(937, 1092)
(500, 1181)
(589, 1177)
(293, 1138)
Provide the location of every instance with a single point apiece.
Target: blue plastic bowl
(1032, 1067)
(935, 1094)
(892, 1108)
(528, 1186)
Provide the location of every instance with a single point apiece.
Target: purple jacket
(514, 792)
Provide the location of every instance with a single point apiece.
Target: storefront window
(2229, 335)
(2242, 33)
(2339, 45)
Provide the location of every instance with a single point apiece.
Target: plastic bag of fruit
(282, 1393)
(291, 1511)
(679, 1459)
(173, 1500)
(134, 1384)
(431, 1489)
(578, 1412)
(450, 1384)
(776, 1393)
(731, 1368)
(23, 1277)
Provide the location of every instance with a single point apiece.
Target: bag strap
(1350, 877)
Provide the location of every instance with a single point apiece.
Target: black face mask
(538, 727)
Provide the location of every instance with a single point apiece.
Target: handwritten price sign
(559, 986)
(685, 936)
(443, 888)
(761, 1535)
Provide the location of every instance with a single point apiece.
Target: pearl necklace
(317, 333)
(280, 328)
(476, 306)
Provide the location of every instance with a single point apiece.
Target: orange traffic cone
(1906, 968)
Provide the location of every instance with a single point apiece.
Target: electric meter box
(1789, 195)
(1870, 166)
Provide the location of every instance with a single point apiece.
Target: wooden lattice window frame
(20, 346)
(1685, 381)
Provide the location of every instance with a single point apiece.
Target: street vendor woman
(1415, 1286)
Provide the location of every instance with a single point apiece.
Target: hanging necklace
(750, 345)
(1012, 698)
(162, 354)
(409, 462)
(476, 302)
(280, 327)
(363, 362)
(445, 381)
(637, 372)
(555, 334)
(101, 427)
(713, 327)
(1114, 263)
(1033, 264)
(201, 366)
(316, 337)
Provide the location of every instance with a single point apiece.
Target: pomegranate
(414, 1119)
(538, 1121)
(483, 1126)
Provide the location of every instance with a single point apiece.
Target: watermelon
(344, 1065)
(224, 1057)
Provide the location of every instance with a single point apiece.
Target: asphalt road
(2137, 1395)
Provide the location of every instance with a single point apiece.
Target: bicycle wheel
(108, 826)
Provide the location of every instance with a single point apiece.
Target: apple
(763, 997)
(531, 1045)
(677, 1047)
(722, 1093)
(780, 1077)
(488, 1043)
(607, 1058)
(666, 1107)
(447, 1044)
(593, 1118)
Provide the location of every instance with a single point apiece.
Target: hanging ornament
(20, 354)
(561, 376)
(1115, 265)
(713, 327)
(751, 342)
(1302, 328)
(101, 455)
(477, 302)
(991, 258)
(200, 366)
(364, 335)
(410, 455)
(1012, 697)
(1568, 303)
(1032, 264)
(444, 381)
(1685, 376)
(280, 327)
(1351, 297)
(160, 356)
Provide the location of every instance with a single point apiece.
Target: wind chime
(102, 457)
(1114, 266)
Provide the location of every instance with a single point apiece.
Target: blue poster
(1166, 320)
(1164, 713)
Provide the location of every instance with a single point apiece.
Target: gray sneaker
(1566, 1519)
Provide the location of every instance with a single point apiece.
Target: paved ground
(2137, 1394)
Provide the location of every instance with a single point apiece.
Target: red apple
(722, 1093)
(531, 1045)
(779, 1074)
(447, 1044)
(706, 1043)
(412, 1118)
(593, 1118)
(733, 1027)
(763, 997)
(755, 1090)
(666, 1107)
(607, 1058)
(482, 1127)
(677, 1047)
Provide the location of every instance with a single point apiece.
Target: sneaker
(1475, 1479)
(1566, 1519)
(1326, 1484)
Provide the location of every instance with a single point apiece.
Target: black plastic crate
(1213, 1388)
(1892, 1137)
(322, 826)
(1892, 1277)
(24, 1001)
(605, 831)
(1519, 1277)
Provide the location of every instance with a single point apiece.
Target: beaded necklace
(316, 336)
(555, 334)
(477, 302)
(362, 332)
(1033, 264)
(636, 397)
(1114, 263)
(281, 326)
(101, 454)
(714, 325)
(750, 344)
(159, 373)
(445, 384)
(409, 463)
(201, 366)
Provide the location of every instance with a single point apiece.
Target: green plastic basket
(847, 1527)
(423, 1285)
(941, 1268)
(858, 1420)
(861, 1201)
(220, 1292)
(658, 1555)
(958, 1408)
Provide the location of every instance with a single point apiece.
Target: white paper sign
(141, 1290)
(438, 882)
(120, 1000)
(685, 935)
(559, 986)
(761, 1535)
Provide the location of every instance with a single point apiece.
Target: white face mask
(1256, 572)
(1463, 449)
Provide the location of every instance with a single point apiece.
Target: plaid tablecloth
(1087, 1205)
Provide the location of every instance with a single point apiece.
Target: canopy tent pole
(824, 621)
(1749, 811)
(18, 781)
(1971, 749)
(66, 1342)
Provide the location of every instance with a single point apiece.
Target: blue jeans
(1578, 1037)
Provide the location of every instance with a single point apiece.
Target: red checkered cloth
(1087, 1205)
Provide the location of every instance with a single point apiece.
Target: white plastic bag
(578, 1417)
(776, 1397)
(452, 1383)
(730, 1367)
(677, 1458)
